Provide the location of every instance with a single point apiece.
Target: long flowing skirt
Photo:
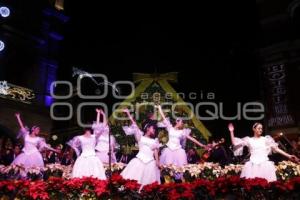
(143, 173)
(103, 156)
(176, 157)
(88, 166)
(34, 159)
(264, 170)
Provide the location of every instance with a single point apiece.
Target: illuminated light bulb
(4, 11)
(2, 45)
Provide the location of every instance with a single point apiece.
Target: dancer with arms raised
(174, 152)
(101, 130)
(144, 168)
(87, 163)
(33, 144)
(260, 147)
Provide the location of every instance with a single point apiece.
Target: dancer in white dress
(174, 152)
(101, 130)
(31, 156)
(144, 168)
(87, 163)
(260, 147)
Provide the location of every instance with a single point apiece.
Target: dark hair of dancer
(256, 124)
(88, 129)
(148, 125)
(32, 129)
(174, 121)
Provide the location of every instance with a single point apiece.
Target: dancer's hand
(98, 110)
(294, 158)
(230, 127)
(17, 114)
(126, 110)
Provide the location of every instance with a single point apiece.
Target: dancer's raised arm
(161, 112)
(133, 129)
(129, 116)
(231, 130)
(98, 115)
(98, 126)
(103, 117)
(19, 120)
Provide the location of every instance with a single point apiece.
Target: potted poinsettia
(53, 170)
(35, 173)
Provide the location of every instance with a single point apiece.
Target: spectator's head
(192, 151)
(17, 150)
(59, 147)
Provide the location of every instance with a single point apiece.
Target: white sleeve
(43, 145)
(270, 143)
(156, 145)
(23, 132)
(133, 129)
(185, 132)
(239, 144)
(113, 141)
(75, 144)
(100, 128)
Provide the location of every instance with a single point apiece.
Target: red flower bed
(118, 188)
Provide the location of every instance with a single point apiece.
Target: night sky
(213, 47)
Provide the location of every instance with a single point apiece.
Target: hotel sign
(278, 110)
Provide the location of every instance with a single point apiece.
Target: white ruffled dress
(87, 163)
(174, 152)
(143, 167)
(31, 156)
(102, 143)
(259, 164)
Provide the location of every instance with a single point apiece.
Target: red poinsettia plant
(119, 188)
